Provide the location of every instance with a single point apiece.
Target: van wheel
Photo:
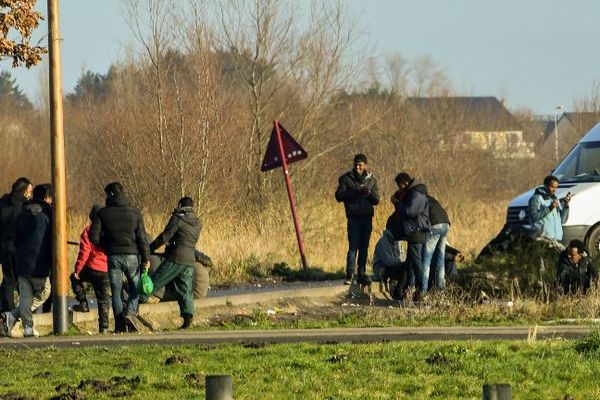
(593, 242)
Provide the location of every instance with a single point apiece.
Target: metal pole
(219, 387)
(59, 221)
(290, 192)
(556, 135)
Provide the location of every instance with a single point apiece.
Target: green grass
(398, 370)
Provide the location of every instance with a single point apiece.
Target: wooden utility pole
(60, 272)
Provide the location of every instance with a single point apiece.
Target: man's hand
(459, 257)
(146, 266)
(567, 199)
(554, 204)
(76, 275)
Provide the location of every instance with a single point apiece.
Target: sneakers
(130, 324)
(348, 280)
(8, 321)
(363, 280)
(30, 331)
(82, 307)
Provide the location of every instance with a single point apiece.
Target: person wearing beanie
(92, 267)
(357, 189)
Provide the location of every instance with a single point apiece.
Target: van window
(582, 164)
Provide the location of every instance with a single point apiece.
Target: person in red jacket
(92, 267)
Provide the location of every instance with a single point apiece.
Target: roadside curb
(45, 320)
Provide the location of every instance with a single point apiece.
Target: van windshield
(582, 164)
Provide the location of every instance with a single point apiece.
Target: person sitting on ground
(180, 237)
(34, 252)
(387, 262)
(547, 213)
(575, 270)
(119, 230)
(92, 267)
(451, 258)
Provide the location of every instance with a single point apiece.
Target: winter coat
(413, 212)
(33, 240)
(119, 229)
(437, 214)
(573, 277)
(90, 255)
(547, 221)
(357, 203)
(387, 254)
(10, 207)
(180, 236)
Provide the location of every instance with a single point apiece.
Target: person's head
(186, 202)
(575, 251)
(43, 192)
(113, 189)
(551, 183)
(403, 181)
(23, 186)
(94, 211)
(360, 163)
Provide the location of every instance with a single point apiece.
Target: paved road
(306, 335)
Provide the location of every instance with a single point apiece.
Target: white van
(579, 173)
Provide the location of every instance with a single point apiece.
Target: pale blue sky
(534, 53)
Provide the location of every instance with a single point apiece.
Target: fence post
(219, 387)
(501, 391)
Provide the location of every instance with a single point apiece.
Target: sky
(533, 53)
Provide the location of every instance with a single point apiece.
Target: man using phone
(546, 212)
(357, 189)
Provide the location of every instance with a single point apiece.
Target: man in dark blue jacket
(10, 208)
(34, 252)
(357, 189)
(412, 210)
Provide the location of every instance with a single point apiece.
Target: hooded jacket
(10, 207)
(90, 255)
(180, 236)
(413, 212)
(356, 202)
(573, 277)
(119, 229)
(387, 254)
(437, 213)
(547, 221)
(33, 240)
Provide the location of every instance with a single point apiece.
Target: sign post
(281, 150)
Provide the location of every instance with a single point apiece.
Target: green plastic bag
(145, 285)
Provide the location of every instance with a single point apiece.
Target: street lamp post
(556, 111)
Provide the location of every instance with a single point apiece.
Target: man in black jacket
(34, 252)
(357, 189)
(412, 210)
(119, 229)
(434, 249)
(10, 207)
(575, 270)
(180, 237)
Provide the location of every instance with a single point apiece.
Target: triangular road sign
(292, 150)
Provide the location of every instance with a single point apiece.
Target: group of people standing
(114, 248)
(418, 218)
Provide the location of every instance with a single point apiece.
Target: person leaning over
(357, 189)
(180, 237)
(91, 266)
(10, 207)
(412, 209)
(575, 270)
(547, 213)
(434, 250)
(119, 230)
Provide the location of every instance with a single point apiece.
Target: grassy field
(416, 370)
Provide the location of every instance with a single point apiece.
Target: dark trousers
(8, 257)
(181, 277)
(359, 235)
(99, 281)
(413, 272)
